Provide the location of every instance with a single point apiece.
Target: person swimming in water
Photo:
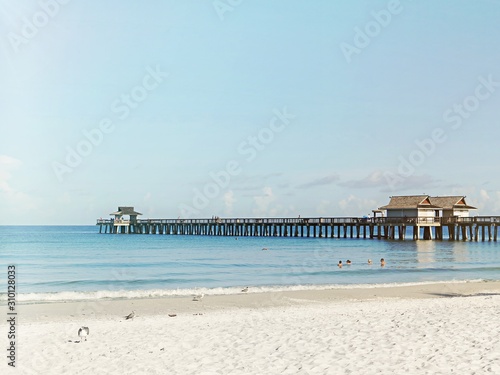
(382, 262)
(340, 264)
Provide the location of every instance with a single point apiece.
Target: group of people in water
(348, 262)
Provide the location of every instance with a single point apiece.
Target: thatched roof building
(453, 205)
(426, 206)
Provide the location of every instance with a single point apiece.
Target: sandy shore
(446, 328)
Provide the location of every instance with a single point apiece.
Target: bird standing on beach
(83, 332)
(130, 316)
(198, 297)
(245, 289)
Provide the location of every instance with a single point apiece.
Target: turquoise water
(74, 262)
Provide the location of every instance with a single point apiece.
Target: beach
(440, 328)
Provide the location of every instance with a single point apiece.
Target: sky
(239, 108)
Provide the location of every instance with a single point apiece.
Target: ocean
(56, 263)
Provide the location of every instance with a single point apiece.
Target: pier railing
(320, 221)
(406, 220)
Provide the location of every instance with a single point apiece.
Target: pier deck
(427, 228)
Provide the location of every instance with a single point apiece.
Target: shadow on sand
(451, 295)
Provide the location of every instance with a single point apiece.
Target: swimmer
(382, 262)
(370, 261)
(340, 264)
(348, 261)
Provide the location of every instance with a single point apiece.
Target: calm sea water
(76, 262)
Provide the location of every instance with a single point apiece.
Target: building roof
(452, 201)
(409, 202)
(126, 211)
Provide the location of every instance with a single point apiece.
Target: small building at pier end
(124, 218)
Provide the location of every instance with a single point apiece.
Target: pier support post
(427, 233)
(416, 230)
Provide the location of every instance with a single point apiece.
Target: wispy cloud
(7, 165)
(379, 179)
(229, 202)
(263, 201)
(374, 180)
(254, 182)
(353, 205)
(9, 195)
(327, 180)
(325, 208)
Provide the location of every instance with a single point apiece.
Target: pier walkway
(427, 228)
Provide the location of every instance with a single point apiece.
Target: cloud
(355, 206)
(255, 182)
(8, 164)
(375, 179)
(327, 180)
(229, 202)
(268, 206)
(263, 201)
(324, 208)
(484, 194)
(388, 182)
(486, 201)
(14, 202)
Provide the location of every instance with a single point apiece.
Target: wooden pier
(392, 228)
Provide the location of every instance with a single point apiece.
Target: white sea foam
(158, 293)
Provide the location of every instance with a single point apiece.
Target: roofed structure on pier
(453, 205)
(410, 206)
(427, 206)
(126, 211)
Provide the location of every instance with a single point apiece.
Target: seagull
(130, 316)
(83, 332)
(245, 289)
(198, 297)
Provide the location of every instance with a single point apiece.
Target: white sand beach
(444, 328)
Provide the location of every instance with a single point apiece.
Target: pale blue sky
(204, 77)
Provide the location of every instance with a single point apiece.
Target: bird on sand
(245, 289)
(130, 316)
(83, 332)
(198, 297)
